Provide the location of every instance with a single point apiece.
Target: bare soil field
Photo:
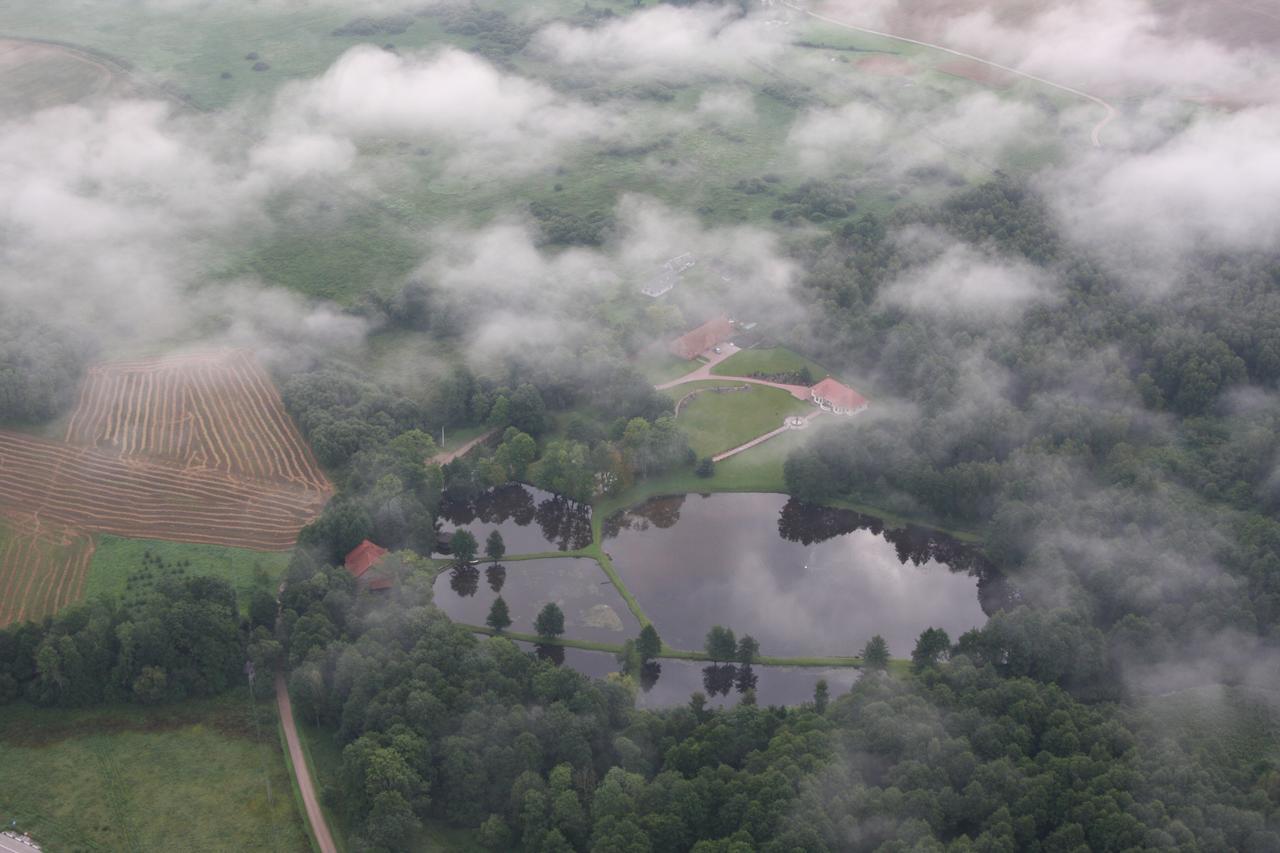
(43, 568)
(187, 449)
(978, 73)
(215, 412)
(887, 66)
(35, 75)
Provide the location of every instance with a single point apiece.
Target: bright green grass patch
(717, 422)
(336, 258)
(772, 360)
(188, 776)
(117, 558)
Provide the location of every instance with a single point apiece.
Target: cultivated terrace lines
(193, 448)
(216, 411)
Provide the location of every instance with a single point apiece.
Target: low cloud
(664, 43)
(824, 139)
(1213, 186)
(517, 294)
(960, 283)
(490, 121)
(976, 129)
(114, 215)
(1109, 47)
(727, 106)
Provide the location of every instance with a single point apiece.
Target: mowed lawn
(717, 422)
(192, 776)
(116, 558)
(769, 360)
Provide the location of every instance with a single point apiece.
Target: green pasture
(116, 558)
(198, 775)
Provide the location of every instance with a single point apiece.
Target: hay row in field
(84, 487)
(43, 568)
(216, 412)
(194, 448)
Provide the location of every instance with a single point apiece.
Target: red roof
(703, 338)
(839, 395)
(363, 556)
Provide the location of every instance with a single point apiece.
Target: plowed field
(188, 449)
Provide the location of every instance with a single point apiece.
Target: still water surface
(530, 520)
(593, 609)
(803, 580)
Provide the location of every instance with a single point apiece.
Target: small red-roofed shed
(364, 557)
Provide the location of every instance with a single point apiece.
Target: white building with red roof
(837, 398)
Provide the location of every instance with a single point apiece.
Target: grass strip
(896, 665)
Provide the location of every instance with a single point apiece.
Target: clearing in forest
(186, 449)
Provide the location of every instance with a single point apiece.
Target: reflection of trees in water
(661, 513)
(512, 502)
(564, 523)
(809, 524)
(650, 671)
(719, 679)
(464, 580)
(555, 654)
(746, 679)
(496, 575)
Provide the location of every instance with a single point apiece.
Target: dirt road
(1108, 116)
(315, 816)
(444, 457)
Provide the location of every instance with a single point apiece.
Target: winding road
(1109, 111)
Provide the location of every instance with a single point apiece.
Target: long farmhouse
(693, 344)
(837, 398)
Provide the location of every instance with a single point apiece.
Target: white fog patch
(1215, 185)
(727, 106)
(825, 139)
(983, 124)
(518, 295)
(490, 120)
(965, 284)
(1111, 44)
(664, 42)
(114, 215)
(980, 128)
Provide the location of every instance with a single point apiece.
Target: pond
(593, 609)
(672, 682)
(530, 520)
(803, 580)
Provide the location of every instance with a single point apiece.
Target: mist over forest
(1040, 244)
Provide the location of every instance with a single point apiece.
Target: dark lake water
(531, 520)
(593, 609)
(803, 580)
(674, 681)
